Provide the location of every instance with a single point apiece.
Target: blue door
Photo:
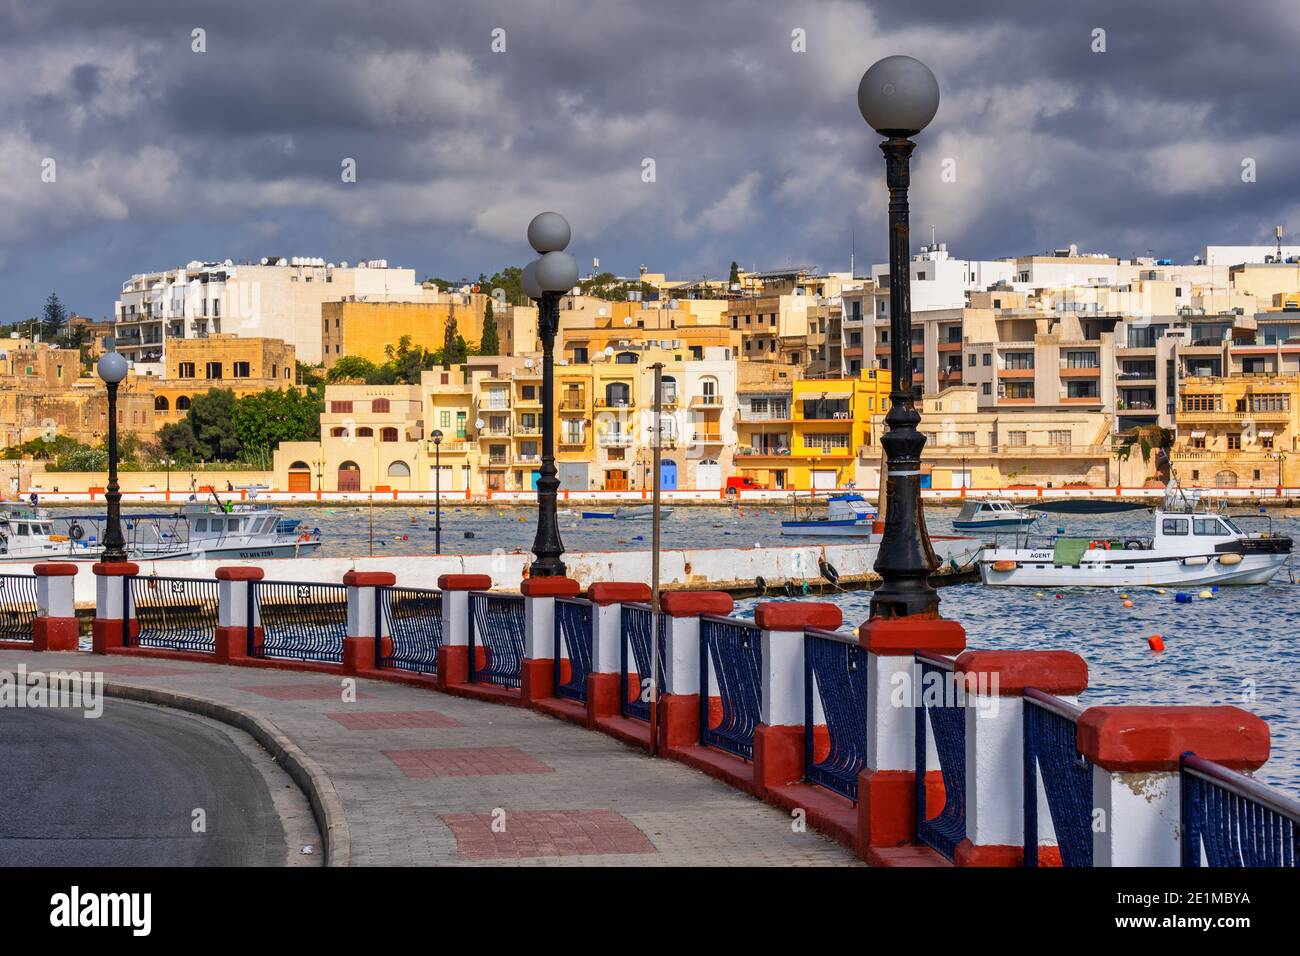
(532, 483)
(668, 475)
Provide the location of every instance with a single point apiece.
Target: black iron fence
(298, 621)
(17, 606)
(412, 618)
(175, 613)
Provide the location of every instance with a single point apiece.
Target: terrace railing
(732, 652)
(175, 613)
(835, 677)
(573, 638)
(938, 708)
(1229, 819)
(635, 656)
(299, 621)
(496, 623)
(17, 606)
(413, 619)
(1050, 729)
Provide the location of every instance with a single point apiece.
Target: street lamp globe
(528, 280)
(557, 272)
(549, 232)
(898, 96)
(112, 367)
(437, 436)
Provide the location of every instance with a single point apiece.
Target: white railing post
(453, 654)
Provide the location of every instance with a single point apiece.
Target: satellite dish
(672, 303)
(602, 311)
(609, 350)
(478, 423)
(627, 320)
(528, 363)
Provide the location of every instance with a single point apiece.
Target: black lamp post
(544, 280)
(437, 491)
(112, 369)
(898, 97)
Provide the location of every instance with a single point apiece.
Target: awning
(832, 395)
(1198, 434)
(1264, 434)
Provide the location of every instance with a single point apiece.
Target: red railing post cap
(465, 582)
(904, 636)
(1054, 672)
(695, 603)
(550, 587)
(369, 579)
(55, 569)
(115, 569)
(605, 593)
(240, 572)
(797, 615)
(1135, 738)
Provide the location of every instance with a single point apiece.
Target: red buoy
(1156, 642)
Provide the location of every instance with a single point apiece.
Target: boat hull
(1116, 569)
(827, 529)
(992, 524)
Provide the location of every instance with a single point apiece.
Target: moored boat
(847, 516)
(992, 514)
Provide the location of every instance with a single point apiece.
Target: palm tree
(1147, 438)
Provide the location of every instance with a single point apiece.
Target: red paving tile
(465, 762)
(533, 833)
(299, 691)
(394, 719)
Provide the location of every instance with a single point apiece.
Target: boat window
(1208, 526)
(1232, 526)
(22, 527)
(201, 524)
(1174, 526)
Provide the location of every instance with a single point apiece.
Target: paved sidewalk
(427, 779)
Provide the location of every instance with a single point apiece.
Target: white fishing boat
(992, 514)
(1191, 547)
(27, 534)
(634, 513)
(847, 516)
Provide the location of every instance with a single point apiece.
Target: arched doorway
(617, 394)
(160, 404)
(299, 476)
(399, 469)
(1225, 479)
(708, 475)
(349, 476)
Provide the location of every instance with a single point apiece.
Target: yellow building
(368, 329)
(195, 366)
(1238, 431)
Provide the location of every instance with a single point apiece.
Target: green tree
(490, 344)
(449, 341)
(351, 367)
(265, 419)
(53, 318)
(734, 278)
(1147, 438)
(210, 426)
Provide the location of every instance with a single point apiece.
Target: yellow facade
(195, 366)
(1238, 431)
(368, 329)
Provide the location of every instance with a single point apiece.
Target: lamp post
(898, 96)
(544, 280)
(112, 369)
(437, 491)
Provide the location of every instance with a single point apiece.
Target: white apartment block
(276, 298)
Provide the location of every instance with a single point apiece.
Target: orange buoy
(1156, 642)
(1128, 603)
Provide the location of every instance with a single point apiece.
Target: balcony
(528, 459)
(951, 376)
(494, 431)
(949, 346)
(706, 401)
(493, 403)
(709, 438)
(615, 440)
(615, 403)
(527, 430)
(1016, 373)
(778, 451)
(933, 450)
(1080, 371)
(775, 415)
(1191, 417)
(498, 461)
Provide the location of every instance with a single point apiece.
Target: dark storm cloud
(165, 154)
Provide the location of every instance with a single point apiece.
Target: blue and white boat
(986, 515)
(847, 516)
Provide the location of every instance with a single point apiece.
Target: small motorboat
(1190, 548)
(997, 513)
(635, 513)
(847, 516)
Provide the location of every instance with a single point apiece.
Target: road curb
(326, 806)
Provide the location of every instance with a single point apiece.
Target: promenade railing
(635, 657)
(496, 624)
(298, 620)
(18, 606)
(170, 612)
(731, 651)
(1230, 820)
(572, 641)
(412, 619)
(939, 709)
(1050, 749)
(835, 683)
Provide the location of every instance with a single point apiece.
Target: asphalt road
(122, 790)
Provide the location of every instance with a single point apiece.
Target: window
(1020, 360)
(365, 432)
(528, 393)
(1209, 526)
(828, 442)
(988, 388)
(1082, 360)
(182, 403)
(399, 469)
(1198, 442)
(388, 434)
(241, 370)
(966, 439)
(1266, 441)
(1234, 442)
(1174, 526)
(1202, 403)
(444, 418)
(988, 359)
(379, 405)
(160, 404)
(625, 358)
(580, 355)
(341, 407)
(213, 370)
(338, 432)
(1060, 439)
(186, 370)
(1017, 439)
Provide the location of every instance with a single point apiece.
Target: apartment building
(1238, 431)
(278, 296)
(368, 330)
(195, 366)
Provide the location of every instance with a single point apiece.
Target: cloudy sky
(162, 154)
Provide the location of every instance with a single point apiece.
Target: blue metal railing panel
(1050, 728)
(636, 622)
(835, 670)
(176, 613)
(946, 829)
(17, 606)
(573, 636)
(732, 651)
(1234, 821)
(496, 624)
(300, 621)
(412, 618)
